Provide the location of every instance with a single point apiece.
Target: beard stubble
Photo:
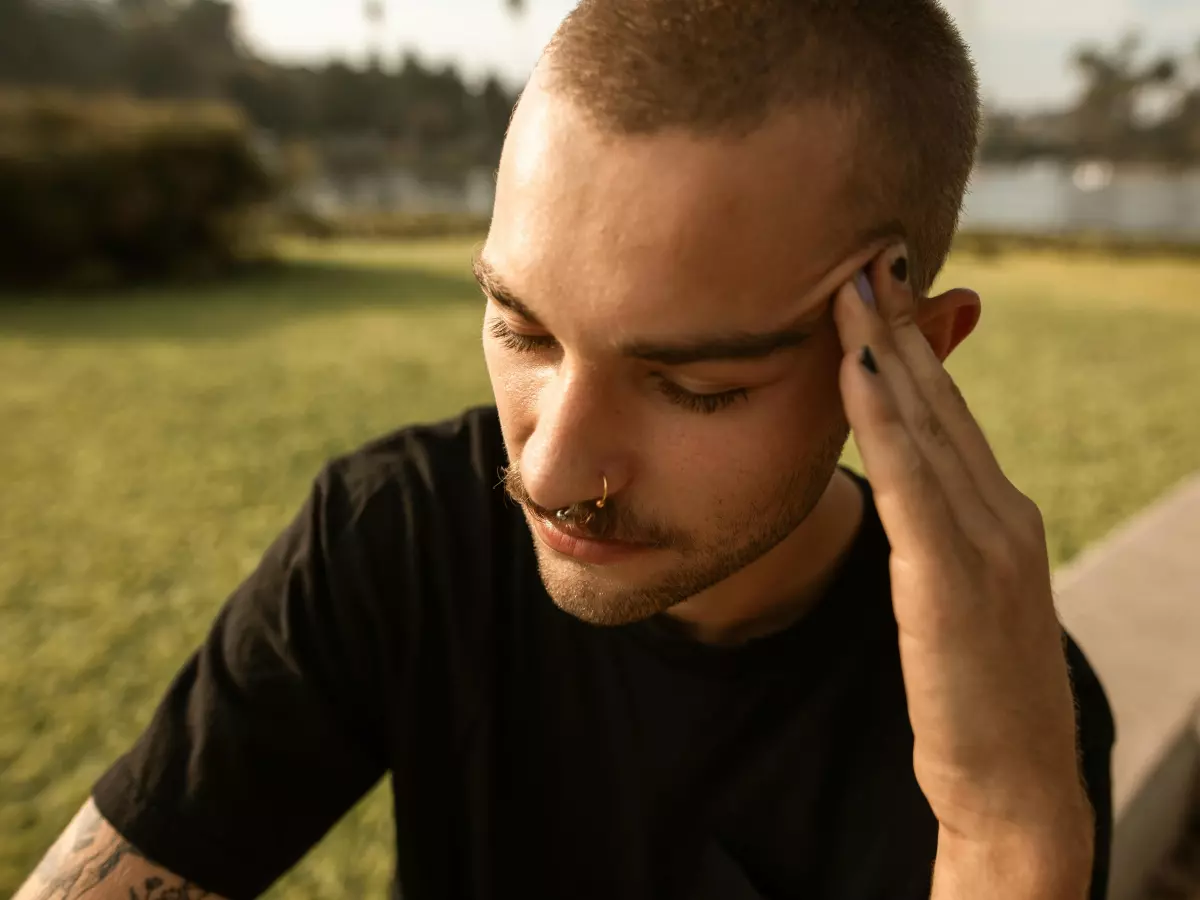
(701, 560)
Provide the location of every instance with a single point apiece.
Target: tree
(411, 114)
(1177, 137)
(59, 44)
(1106, 116)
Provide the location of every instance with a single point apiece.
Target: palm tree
(1114, 82)
(375, 12)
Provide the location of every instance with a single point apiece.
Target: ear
(948, 319)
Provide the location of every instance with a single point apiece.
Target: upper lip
(566, 528)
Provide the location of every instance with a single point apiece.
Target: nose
(574, 447)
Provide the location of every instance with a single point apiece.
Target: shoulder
(454, 462)
(423, 494)
(463, 446)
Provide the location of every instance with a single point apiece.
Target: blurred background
(237, 240)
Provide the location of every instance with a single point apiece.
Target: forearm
(91, 861)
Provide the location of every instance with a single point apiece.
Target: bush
(993, 244)
(105, 188)
(301, 222)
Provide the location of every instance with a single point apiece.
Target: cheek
(721, 488)
(815, 394)
(785, 428)
(825, 359)
(729, 466)
(494, 360)
(515, 390)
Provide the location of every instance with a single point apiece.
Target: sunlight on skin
(1063, 383)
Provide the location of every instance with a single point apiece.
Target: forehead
(650, 225)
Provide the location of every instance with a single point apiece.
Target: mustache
(612, 522)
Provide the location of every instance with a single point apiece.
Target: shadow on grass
(235, 307)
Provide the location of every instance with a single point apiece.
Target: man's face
(631, 279)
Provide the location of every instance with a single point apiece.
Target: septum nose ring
(565, 512)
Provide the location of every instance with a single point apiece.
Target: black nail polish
(900, 269)
(867, 358)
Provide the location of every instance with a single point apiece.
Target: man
(634, 633)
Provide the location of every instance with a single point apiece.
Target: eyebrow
(739, 346)
(498, 291)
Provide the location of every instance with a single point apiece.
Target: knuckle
(1036, 529)
(955, 394)
(1003, 557)
(930, 426)
(1028, 519)
(915, 469)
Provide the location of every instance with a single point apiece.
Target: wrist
(1040, 864)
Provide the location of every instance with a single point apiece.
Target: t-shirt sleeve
(272, 730)
(1097, 734)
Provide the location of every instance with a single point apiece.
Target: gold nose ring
(565, 513)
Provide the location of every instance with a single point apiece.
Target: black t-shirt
(400, 624)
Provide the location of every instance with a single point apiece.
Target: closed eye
(521, 343)
(701, 403)
(674, 393)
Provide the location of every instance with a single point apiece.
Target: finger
(951, 415)
(911, 502)
(860, 325)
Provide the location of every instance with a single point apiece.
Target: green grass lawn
(154, 442)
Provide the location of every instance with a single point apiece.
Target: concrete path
(1133, 603)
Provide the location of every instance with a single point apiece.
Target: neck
(779, 588)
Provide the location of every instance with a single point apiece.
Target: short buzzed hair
(899, 68)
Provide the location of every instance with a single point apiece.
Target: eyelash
(521, 343)
(701, 403)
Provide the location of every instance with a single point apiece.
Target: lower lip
(583, 549)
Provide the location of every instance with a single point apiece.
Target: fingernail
(863, 284)
(900, 268)
(867, 358)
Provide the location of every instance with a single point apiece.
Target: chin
(609, 599)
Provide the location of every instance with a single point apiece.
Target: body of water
(1050, 197)
(1039, 197)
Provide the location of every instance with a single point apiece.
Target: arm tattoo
(81, 865)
